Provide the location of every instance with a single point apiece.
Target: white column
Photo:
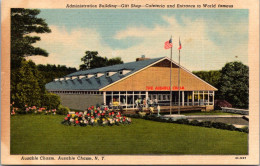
(146, 97)
(104, 98)
(182, 98)
(192, 98)
(133, 100)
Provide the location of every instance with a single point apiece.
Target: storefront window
(211, 99)
(129, 101)
(206, 98)
(154, 97)
(122, 100)
(196, 99)
(164, 97)
(159, 97)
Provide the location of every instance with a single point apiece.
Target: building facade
(144, 80)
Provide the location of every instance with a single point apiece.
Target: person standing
(155, 101)
(144, 103)
(148, 102)
(158, 110)
(136, 103)
(151, 110)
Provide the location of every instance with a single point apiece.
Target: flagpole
(179, 82)
(171, 83)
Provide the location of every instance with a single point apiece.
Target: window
(115, 92)
(150, 97)
(107, 74)
(154, 96)
(99, 75)
(164, 97)
(123, 72)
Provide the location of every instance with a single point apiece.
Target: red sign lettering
(160, 88)
(149, 87)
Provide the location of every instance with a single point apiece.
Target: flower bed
(32, 110)
(96, 117)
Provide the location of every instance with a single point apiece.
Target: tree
(91, 60)
(114, 61)
(212, 77)
(87, 59)
(27, 84)
(23, 23)
(27, 90)
(49, 72)
(234, 84)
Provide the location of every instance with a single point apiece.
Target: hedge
(208, 124)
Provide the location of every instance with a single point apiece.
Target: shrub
(51, 100)
(239, 129)
(207, 124)
(62, 110)
(245, 129)
(20, 111)
(182, 121)
(219, 125)
(195, 123)
(231, 127)
(170, 120)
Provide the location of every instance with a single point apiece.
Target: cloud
(195, 41)
(199, 50)
(67, 48)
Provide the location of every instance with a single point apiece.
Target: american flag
(179, 44)
(168, 44)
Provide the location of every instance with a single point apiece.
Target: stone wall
(209, 107)
(235, 110)
(80, 101)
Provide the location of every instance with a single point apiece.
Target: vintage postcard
(130, 82)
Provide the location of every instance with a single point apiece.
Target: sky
(209, 38)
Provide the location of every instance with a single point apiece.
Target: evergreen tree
(24, 22)
(27, 84)
(28, 90)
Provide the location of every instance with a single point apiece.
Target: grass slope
(43, 134)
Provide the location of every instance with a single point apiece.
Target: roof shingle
(98, 83)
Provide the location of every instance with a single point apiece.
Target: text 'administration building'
(123, 84)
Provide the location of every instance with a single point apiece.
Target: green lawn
(44, 134)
